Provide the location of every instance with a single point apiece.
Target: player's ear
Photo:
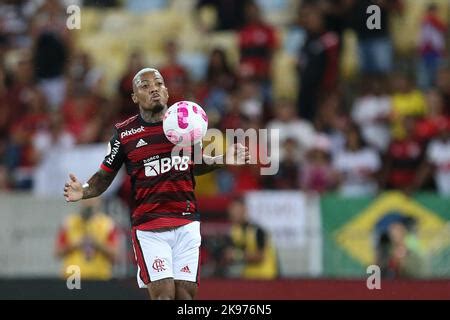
(134, 98)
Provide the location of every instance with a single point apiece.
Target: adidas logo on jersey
(141, 143)
(185, 269)
(131, 132)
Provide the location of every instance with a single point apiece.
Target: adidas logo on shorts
(185, 269)
(141, 143)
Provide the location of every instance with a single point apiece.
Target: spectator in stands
(371, 111)
(279, 11)
(14, 16)
(81, 116)
(287, 176)
(82, 72)
(332, 120)
(49, 144)
(126, 106)
(411, 263)
(406, 100)
(21, 86)
(429, 126)
(52, 45)
(399, 252)
(233, 117)
(290, 126)
(437, 162)
(257, 44)
(337, 14)
(16, 94)
(357, 166)
(443, 86)
(316, 172)
(403, 159)
(247, 177)
(375, 45)
(251, 100)
(220, 80)
(219, 73)
(318, 62)
(175, 75)
(295, 36)
(230, 13)
(20, 153)
(89, 239)
(228, 180)
(250, 245)
(431, 46)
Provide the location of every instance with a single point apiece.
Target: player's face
(150, 92)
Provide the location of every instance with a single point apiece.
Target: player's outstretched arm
(96, 185)
(236, 154)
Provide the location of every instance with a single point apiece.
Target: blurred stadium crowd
(358, 110)
(384, 126)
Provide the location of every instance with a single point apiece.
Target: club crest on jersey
(131, 132)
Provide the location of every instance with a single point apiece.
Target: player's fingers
(67, 184)
(72, 177)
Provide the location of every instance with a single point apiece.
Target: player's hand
(73, 190)
(237, 154)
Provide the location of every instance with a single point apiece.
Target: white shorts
(168, 254)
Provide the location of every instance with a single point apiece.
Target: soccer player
(165, 223)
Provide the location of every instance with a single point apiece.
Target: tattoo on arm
(98, 183)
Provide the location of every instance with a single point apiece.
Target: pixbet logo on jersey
(160, 166)
(132, 131)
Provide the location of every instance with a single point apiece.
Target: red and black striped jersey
(162, 182)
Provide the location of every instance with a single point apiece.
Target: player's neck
(152, 117)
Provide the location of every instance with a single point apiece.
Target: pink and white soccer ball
(185, 123)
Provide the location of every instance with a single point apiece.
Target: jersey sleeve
(115, 157)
